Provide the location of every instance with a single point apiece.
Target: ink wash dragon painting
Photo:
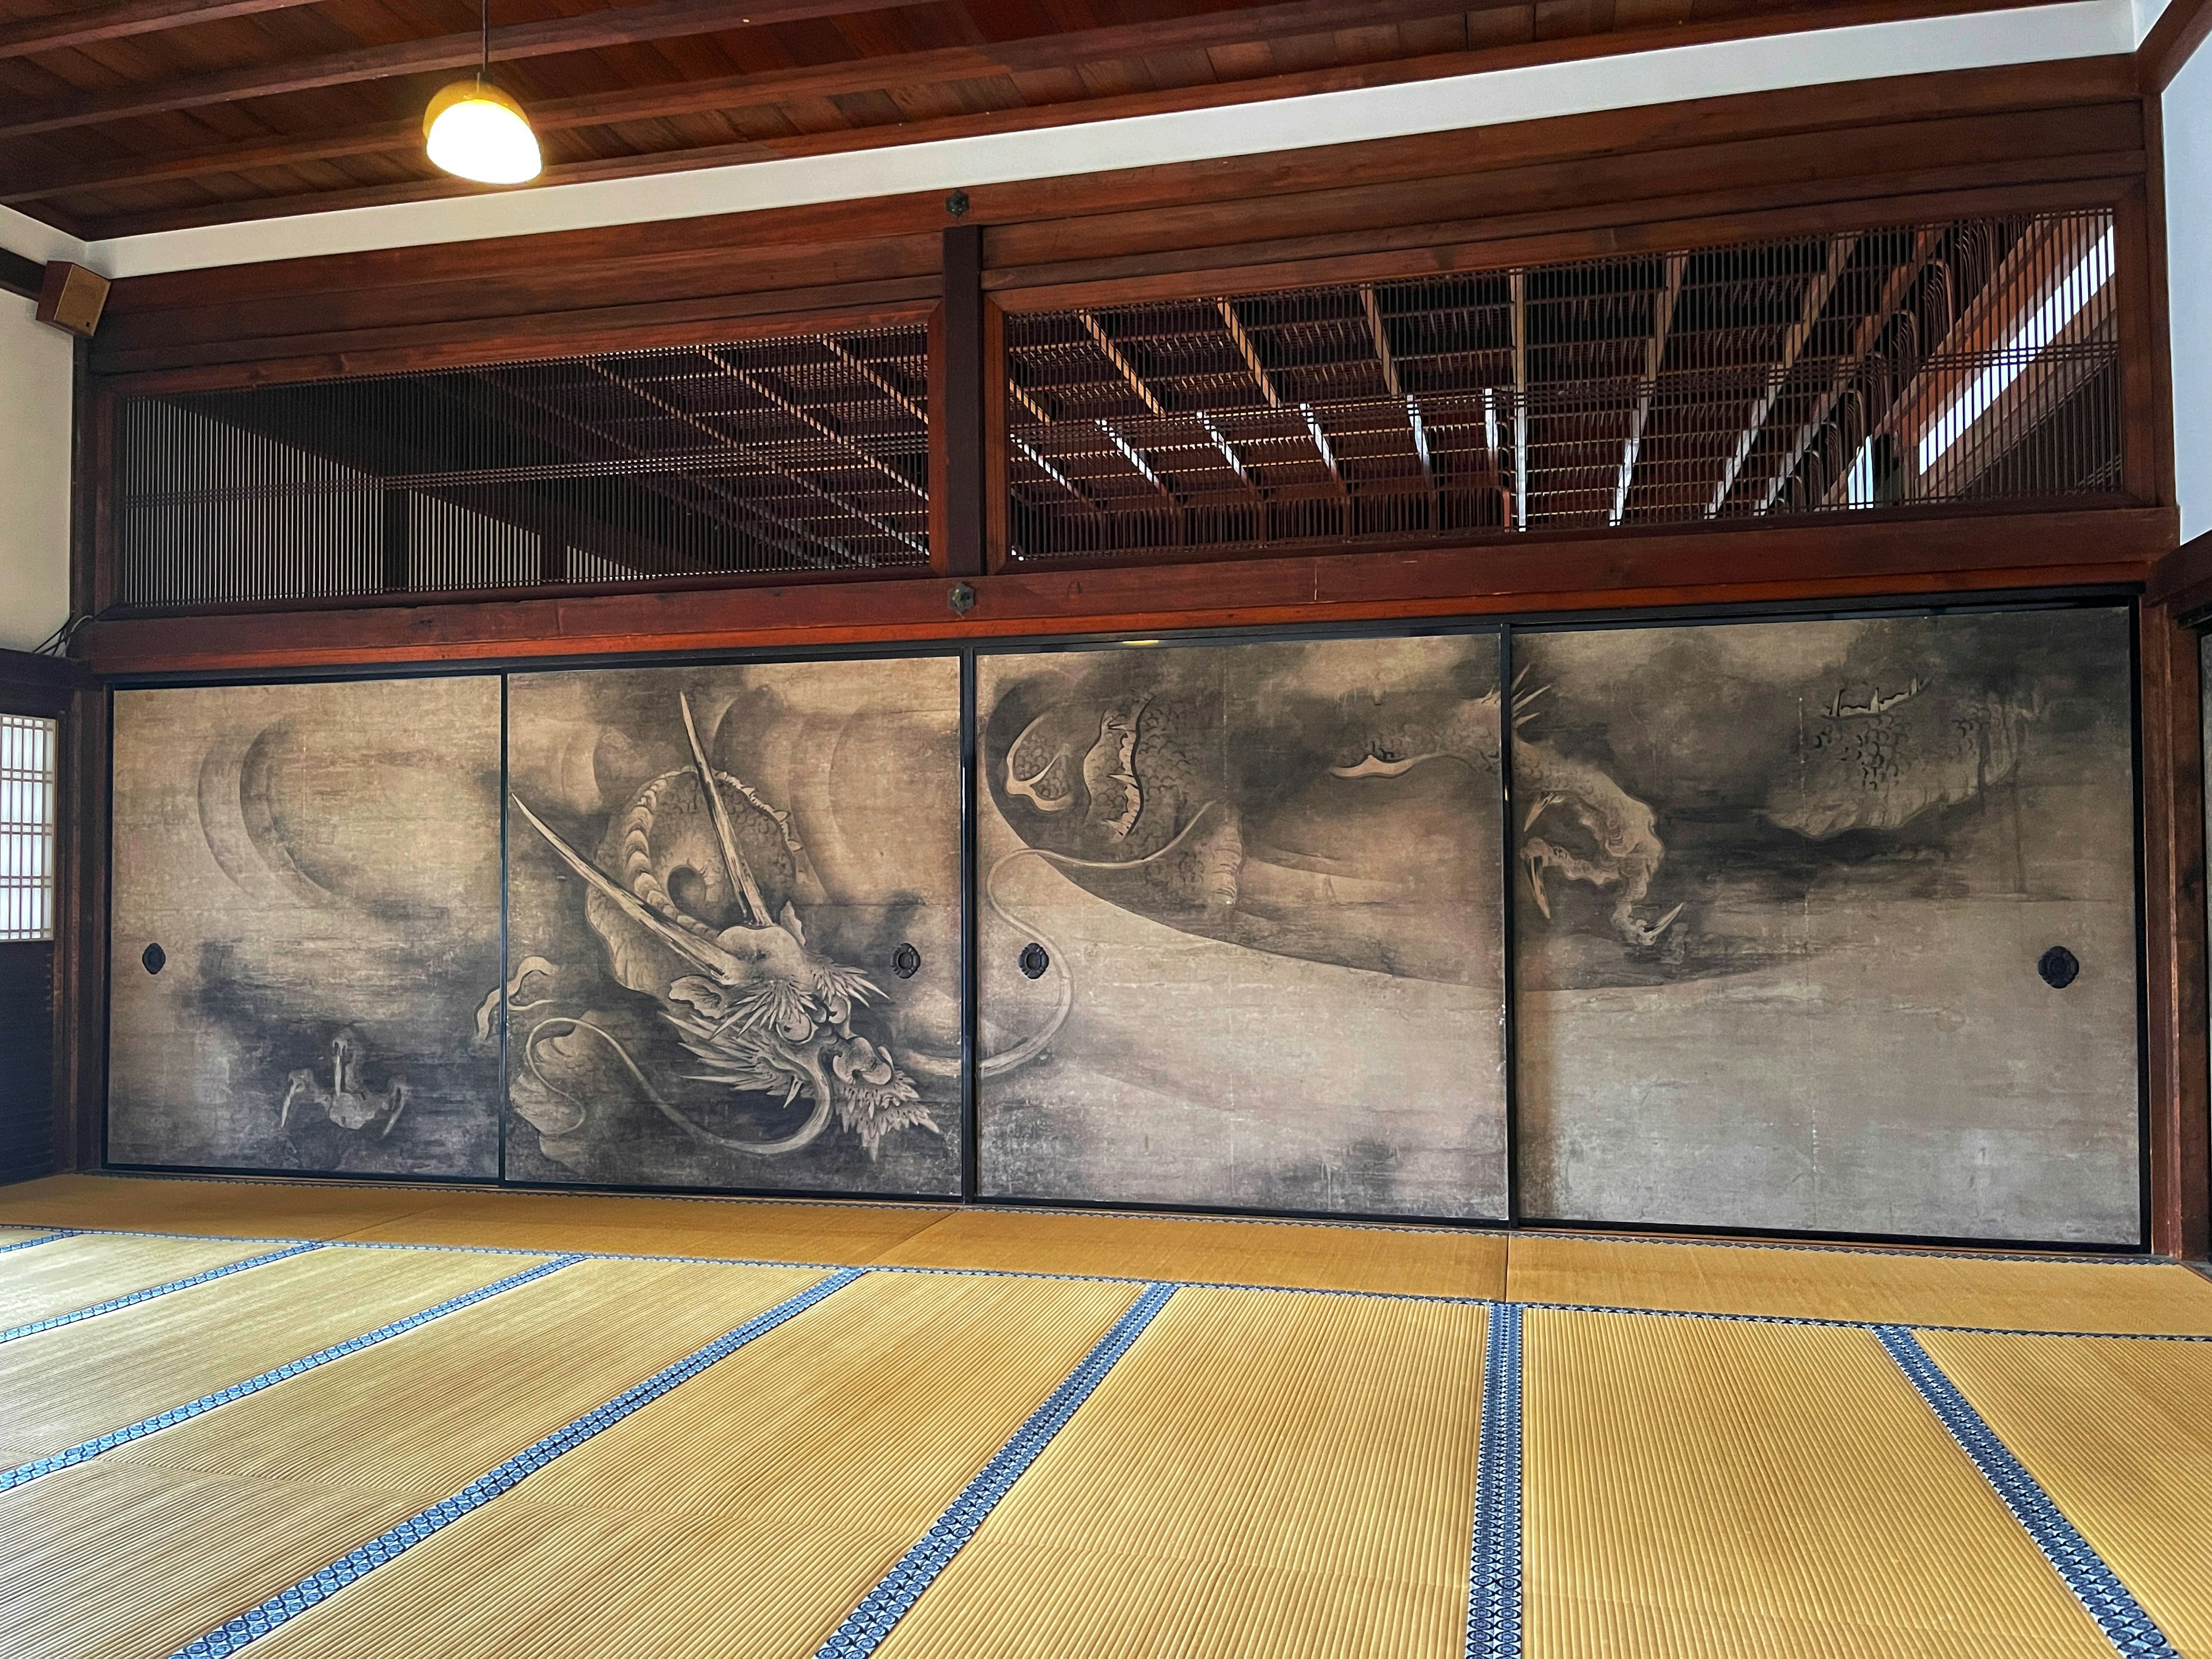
(734, 927)
(1239, 926)
(1784, 890)
(306, 919)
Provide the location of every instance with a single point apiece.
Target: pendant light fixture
(475, 130)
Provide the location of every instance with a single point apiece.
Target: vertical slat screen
(796, 454)
(1976, 361)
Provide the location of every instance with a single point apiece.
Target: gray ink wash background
(861, 760)
(1290, 996)
(1873, 830)
(318, 864)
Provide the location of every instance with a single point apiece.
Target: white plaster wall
(2188, 124)
(35, 387)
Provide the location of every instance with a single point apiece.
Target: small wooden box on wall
(72, 297)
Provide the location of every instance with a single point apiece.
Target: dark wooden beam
(87, 26)
(30, 684)
(21, 276)
(1705, 564)
(2181, 28)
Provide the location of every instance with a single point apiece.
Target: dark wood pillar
(963, 414)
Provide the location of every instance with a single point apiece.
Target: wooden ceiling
(124, 116)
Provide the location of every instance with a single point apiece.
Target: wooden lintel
(1718, 565)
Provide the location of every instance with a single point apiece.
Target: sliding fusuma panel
(1831, 926)
(734, 900)
(1813, 923)
(306, 928)
(1241, 925)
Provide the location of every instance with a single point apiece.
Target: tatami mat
(77, 1382)
(745, 1512)
(1425, 1261)
(1867, 1286)
(269, 1208)
(846, 1234)
(1291, 1474)
(615, 1222)
(140, 1551)
(1706, 1488)
(2120, 1435)
(1878, 1287)
(1260, 1474)
(70, 1275)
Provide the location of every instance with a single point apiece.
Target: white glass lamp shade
(475, 130)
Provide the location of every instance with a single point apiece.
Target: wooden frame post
(2172, 787)
(962, 418)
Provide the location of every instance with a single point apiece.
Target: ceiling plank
(902, 70)
(658, 20)
(668, 19)
(87, 26)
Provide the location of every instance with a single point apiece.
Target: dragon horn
(698, 952)
(749, 900)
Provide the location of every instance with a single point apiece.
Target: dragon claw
(1642, 934)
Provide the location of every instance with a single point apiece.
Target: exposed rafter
(1817, 293)
(1654, 355)
(1228, 452)
(1893, 290)
(1250, 354)
(1520, 288)
(1122, 366)
(806, 417)
(1056, 475)
(1389, 361)
(876, 378)
(654, 21)
(1328, 453)
(657, 20)
(87, 26)
(676, 412)
(1137, 458)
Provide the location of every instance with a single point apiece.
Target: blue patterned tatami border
(1221, 1284)
(865, 1628)
(32, 1243)
(2126, 1623)
(279, 1609)
(153, 1291)
(1494, 1592)
(88, 1450)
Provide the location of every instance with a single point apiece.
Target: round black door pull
(155, 958)
(1034, 961)
(906, 962)
(2058, 967)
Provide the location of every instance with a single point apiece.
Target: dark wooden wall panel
(27, 1074)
